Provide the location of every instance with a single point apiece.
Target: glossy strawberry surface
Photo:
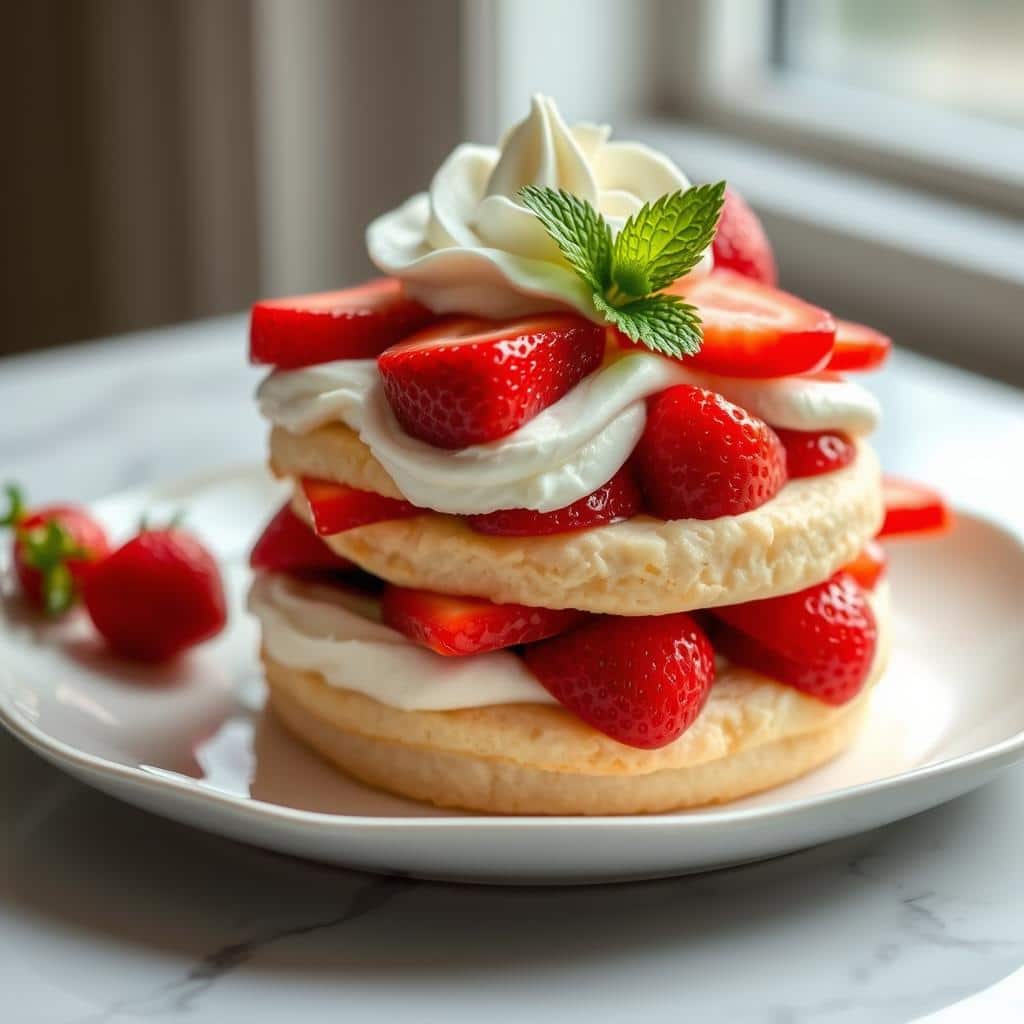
(701, 457)
(858, 347)
(820, 640)
(336, 507)
(753, 330)
(355, 323)
(156, 595)
(457, 626)
(618, 499)
(642, 681)
(810, 453)
(741, 244)
(468, 381)
(287, 544)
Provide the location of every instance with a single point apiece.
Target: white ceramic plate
(189, 741)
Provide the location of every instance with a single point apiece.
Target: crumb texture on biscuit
(643, 566)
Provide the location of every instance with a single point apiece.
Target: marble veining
(112, 916)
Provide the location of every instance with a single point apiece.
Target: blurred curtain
(169, 159)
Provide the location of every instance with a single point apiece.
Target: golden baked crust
(753, 733)
(640, 567)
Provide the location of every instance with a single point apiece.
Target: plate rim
(62, 754)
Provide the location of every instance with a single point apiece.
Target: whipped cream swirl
(469, 246)
(561, 455)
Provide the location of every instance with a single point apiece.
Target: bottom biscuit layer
(341, 726)
(499, 787)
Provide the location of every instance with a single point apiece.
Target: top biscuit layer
(643, 566)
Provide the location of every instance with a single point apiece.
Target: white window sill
(943, 278)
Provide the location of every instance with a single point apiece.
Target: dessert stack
(582, 508)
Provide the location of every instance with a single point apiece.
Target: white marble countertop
(111, 916)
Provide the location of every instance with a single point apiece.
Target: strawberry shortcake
(583, 507)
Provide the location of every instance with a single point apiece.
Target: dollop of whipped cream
(469, 246)
(561, 455)
(322, 629)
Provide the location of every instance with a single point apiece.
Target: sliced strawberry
(820, 640)
(752, 330)
(357, 323)
(740, 241)
(858, 347)
(640, 680)
(701, 457)
(611, 502)
(156, 595)
(289, 545)
(338, 507)
(869, 566)
(456, 626)
(467, 381)
(913, 508)
(809, 453)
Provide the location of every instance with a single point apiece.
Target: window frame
(729, 82)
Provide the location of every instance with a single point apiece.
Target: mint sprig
(657, 245)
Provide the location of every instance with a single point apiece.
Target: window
(926, 93)
(910, 50)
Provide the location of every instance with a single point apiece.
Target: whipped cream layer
(561, 455)
(326, 630)
(469, 246)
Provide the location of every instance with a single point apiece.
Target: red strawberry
(752, 330)
(289, 545)
(820, 640)
(467, 381)
(357, 323)
(858, 347)
(740, 242)
(640, 680)
(618, 499)
(53, 549)
(701, 457)
(869, 566)
(456, 626)
(338, 507)
(156, 595)
(809, 453)
(913, 508)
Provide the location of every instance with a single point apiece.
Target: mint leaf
(582, 235)
(665, 239)
(664, 323)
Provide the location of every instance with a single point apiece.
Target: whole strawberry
(641, 681)
(53, 549)
(741, 243)
(156, 595)
(701, 457)
(820, 640)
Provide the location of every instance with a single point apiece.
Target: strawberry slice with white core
(357, 323)
(336, 508)
(754, 330)
(913, 508)
(858, 347)
(458, 626)
(468, 381)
